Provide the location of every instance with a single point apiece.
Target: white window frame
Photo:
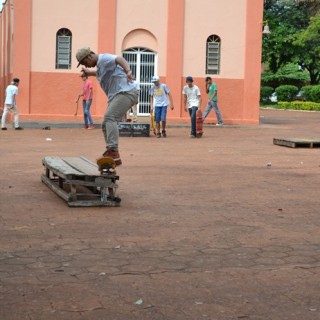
(144, 65)
(63, 49)
(213, 54)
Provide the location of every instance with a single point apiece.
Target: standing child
(159, 102)
(87, 94)
(192, 97)
(10, 105)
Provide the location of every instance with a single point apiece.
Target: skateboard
(153, 124)
(199, 124)
(106, 165)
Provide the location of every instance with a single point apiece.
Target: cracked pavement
(206, 229)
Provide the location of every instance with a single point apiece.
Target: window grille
(213, 55)
(63, 49)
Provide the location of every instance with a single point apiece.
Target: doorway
(144, 66)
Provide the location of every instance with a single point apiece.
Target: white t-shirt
(192, 95)
(10, 92)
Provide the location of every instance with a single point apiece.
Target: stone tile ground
(206, 230)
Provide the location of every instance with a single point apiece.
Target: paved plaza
(223, 228)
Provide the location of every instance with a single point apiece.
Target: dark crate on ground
(297, 143)
(127, 129)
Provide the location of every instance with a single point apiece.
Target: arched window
(213, 55)
(63, 49)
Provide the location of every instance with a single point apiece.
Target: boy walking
(192, 96)
(159, 102)
(211, 88)
(10, 105)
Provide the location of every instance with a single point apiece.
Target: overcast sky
(2, 1)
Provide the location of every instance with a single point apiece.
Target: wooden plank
(82, 165)
(93, 203)
(94, 183)
(60, 192)
(73, 192)
(60, 168)
(282, 142)
(297, 143)
(72, 167)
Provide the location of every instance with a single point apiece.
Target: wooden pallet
(296, 143)
(78, 181)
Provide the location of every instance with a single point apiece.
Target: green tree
(285, 19)
(308, 43)
(312, 6)
(292, 39)
(290, 73)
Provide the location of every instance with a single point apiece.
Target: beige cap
(82, 53)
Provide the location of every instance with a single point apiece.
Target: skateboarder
(116, 80)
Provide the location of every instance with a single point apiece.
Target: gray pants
(116, 109)
(213, 105)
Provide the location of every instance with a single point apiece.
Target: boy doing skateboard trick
(116, 80)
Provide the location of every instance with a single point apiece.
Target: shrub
(299, 105)
(286, 92)
(315, 93)
(290, 74)
(311, 93)
(265, 93)
(306, 91)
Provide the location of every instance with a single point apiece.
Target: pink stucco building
(170, 38)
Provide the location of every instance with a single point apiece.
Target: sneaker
(4, 128)
(18, 128)
(114, 154)
(90, 127)
(192, 136)
(164, 134)
(85, 127)
(219, 124)
(159, 135)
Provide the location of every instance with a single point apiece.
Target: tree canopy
(295, 35)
